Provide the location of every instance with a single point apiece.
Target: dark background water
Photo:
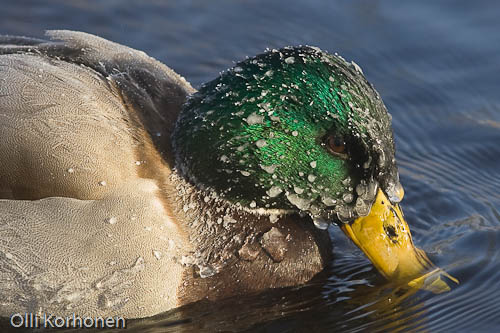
(437, 67)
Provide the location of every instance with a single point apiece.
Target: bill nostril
(391, 233)
(391, 230)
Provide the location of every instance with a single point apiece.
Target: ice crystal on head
(300, 203)
(394, 191)
(361, 189)
(269, 168)
(344, 213)
(347, 197)
(356, 67)
(347, 181)
(298, 190)
(362, 206)
(328, 201)
(261, 143)
(320, 223)
(254, 118)
(274, 191)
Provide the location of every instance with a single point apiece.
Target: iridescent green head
(290, 129)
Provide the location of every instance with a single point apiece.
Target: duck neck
(216, 229)
(225, 240)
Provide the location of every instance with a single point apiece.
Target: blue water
(437, 67)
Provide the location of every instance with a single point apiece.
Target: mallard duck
(124, 191)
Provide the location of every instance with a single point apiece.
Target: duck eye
(336, 145)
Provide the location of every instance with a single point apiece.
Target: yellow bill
(384, 236)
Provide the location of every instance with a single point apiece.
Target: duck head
(300, 130)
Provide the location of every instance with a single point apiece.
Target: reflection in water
(436, 66)
(345, 301)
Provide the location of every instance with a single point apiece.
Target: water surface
(437, 68)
